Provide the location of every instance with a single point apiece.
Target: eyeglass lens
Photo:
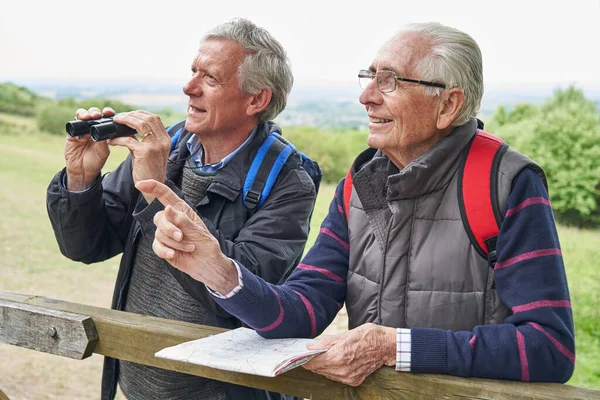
(386, 81)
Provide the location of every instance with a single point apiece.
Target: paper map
(243, 350)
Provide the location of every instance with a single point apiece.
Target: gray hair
(454, 59)
(266, 64)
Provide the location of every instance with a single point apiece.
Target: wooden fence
(76, 331)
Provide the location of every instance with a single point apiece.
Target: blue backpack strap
(177, 128)
(270, 158)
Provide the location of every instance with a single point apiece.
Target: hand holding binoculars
(99, 129)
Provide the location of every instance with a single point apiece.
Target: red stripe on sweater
(311, 314)
(323, 271)
(528, 202)
(336, 237)
(562, 349)
(527, 256)
(523, 357)
(279, 318)
(472, 342)
(541, 303)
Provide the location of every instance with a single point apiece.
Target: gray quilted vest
(411, 261)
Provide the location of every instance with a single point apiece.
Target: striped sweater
(535, 343)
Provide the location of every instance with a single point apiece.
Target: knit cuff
(429, 351)
(249, 300)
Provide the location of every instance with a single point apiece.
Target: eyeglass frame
(365, 73)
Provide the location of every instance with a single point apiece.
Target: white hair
(454, 59)
(266, 64)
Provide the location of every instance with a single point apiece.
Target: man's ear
(452, 101)
(259, 101)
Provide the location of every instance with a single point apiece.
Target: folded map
(243, 350)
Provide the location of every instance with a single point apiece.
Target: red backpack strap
(347, 192)
(478, 192)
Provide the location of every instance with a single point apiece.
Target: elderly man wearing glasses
(395, 248)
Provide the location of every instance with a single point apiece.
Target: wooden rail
(136, 338)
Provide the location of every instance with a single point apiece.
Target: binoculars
(99, 129)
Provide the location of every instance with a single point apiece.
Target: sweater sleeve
(535, 343)
(313, 294)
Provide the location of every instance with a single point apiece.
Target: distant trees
(563, 137)
(334, 150)
(18, 100)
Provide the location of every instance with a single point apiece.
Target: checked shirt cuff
(235, 289)
(403, 349)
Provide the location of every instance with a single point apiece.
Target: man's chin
(374, 141)
(192, 126)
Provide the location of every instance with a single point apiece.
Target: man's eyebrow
(390, 68)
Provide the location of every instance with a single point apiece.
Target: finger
(324, 342)
(162, 251)
(108, 112)
(163, 222)
(181, 213)
(316, 363)
(159, 190)
(132, 119)
(95, 112)
(82, 114)
(145, 122)
(131, 142)
(168, 241)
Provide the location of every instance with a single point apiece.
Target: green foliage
(18, 100)
(100, 103)
(563, 137)
(334, 151)
(168, 116)
(52, 118)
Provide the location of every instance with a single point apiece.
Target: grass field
(32, 264)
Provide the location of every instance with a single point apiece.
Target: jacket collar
(229, 180)
(428, 173)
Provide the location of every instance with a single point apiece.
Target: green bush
(52, 118)
(334, 151)
(17, 100)
(563, 137)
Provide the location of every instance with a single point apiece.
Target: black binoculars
(99, 129)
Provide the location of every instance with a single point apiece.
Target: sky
(525, 43)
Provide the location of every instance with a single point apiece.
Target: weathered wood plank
(50, 331)
(136, 338)
(3, 396)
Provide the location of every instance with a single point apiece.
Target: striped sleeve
(536, 342)
(312, 295)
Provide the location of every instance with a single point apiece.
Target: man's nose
(370, 94)
(193, 87)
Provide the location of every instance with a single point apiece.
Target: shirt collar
(194, 146)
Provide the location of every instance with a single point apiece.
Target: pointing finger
(162, 192)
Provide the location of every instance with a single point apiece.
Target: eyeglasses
(386, 80)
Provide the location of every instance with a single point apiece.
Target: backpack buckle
(491, 245)
(252, 199)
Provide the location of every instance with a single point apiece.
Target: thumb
(326, 342)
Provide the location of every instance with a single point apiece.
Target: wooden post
(136, 338)
(47, 330)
